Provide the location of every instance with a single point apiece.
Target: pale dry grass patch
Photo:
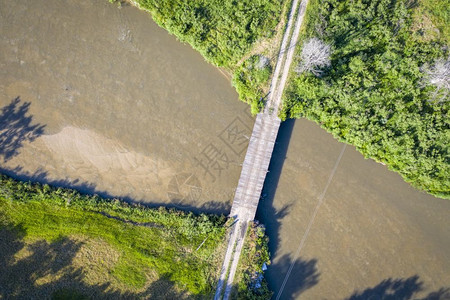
(424, 27)
(269, 47)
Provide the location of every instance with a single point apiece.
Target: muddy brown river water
(128, 110)
(364, 234)
(100, 98)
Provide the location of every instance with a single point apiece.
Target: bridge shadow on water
(304, 273)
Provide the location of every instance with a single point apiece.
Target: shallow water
(366, 233)
(119, 107)
(128, 110)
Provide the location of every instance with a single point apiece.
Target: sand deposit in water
(117, 106)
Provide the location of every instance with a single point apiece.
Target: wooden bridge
(259, 153)
(255, 167)
(248, 192)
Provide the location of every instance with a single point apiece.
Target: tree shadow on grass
(399, 289)
(43, 270)
(22, 265)
(16, 128)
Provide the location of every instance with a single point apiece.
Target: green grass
(374, 95)
(127, 272)
(166, 245)
(439, 13)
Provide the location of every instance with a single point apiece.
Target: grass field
(432, 19)
(58, 242)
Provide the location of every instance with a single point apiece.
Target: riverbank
(149, 108)
(374, 93)
(248, 52)
(397, 108)
(109, 247)
(57, 241)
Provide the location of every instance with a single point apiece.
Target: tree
(315, 55)
(439, 76)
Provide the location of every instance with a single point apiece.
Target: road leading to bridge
(259, 153)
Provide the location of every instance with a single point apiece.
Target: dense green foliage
(164, 240)
(374, 95)
(250, 79)
(222, 31)
(255, 253)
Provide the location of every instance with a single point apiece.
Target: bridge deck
(259, 152)
(255, 167)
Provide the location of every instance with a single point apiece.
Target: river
(128, 110)
(100, 98)
(349, 227)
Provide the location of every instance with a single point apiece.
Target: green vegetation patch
(254, 259)
(144, 244)
(431, 19)
(250, 79)
(222, 31)
(374, 94)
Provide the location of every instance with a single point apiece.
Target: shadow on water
(303, 276)
(16, 128)
(87, 188)
(399, 289)
(26, 274)
(304, 273)
(266, 212)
